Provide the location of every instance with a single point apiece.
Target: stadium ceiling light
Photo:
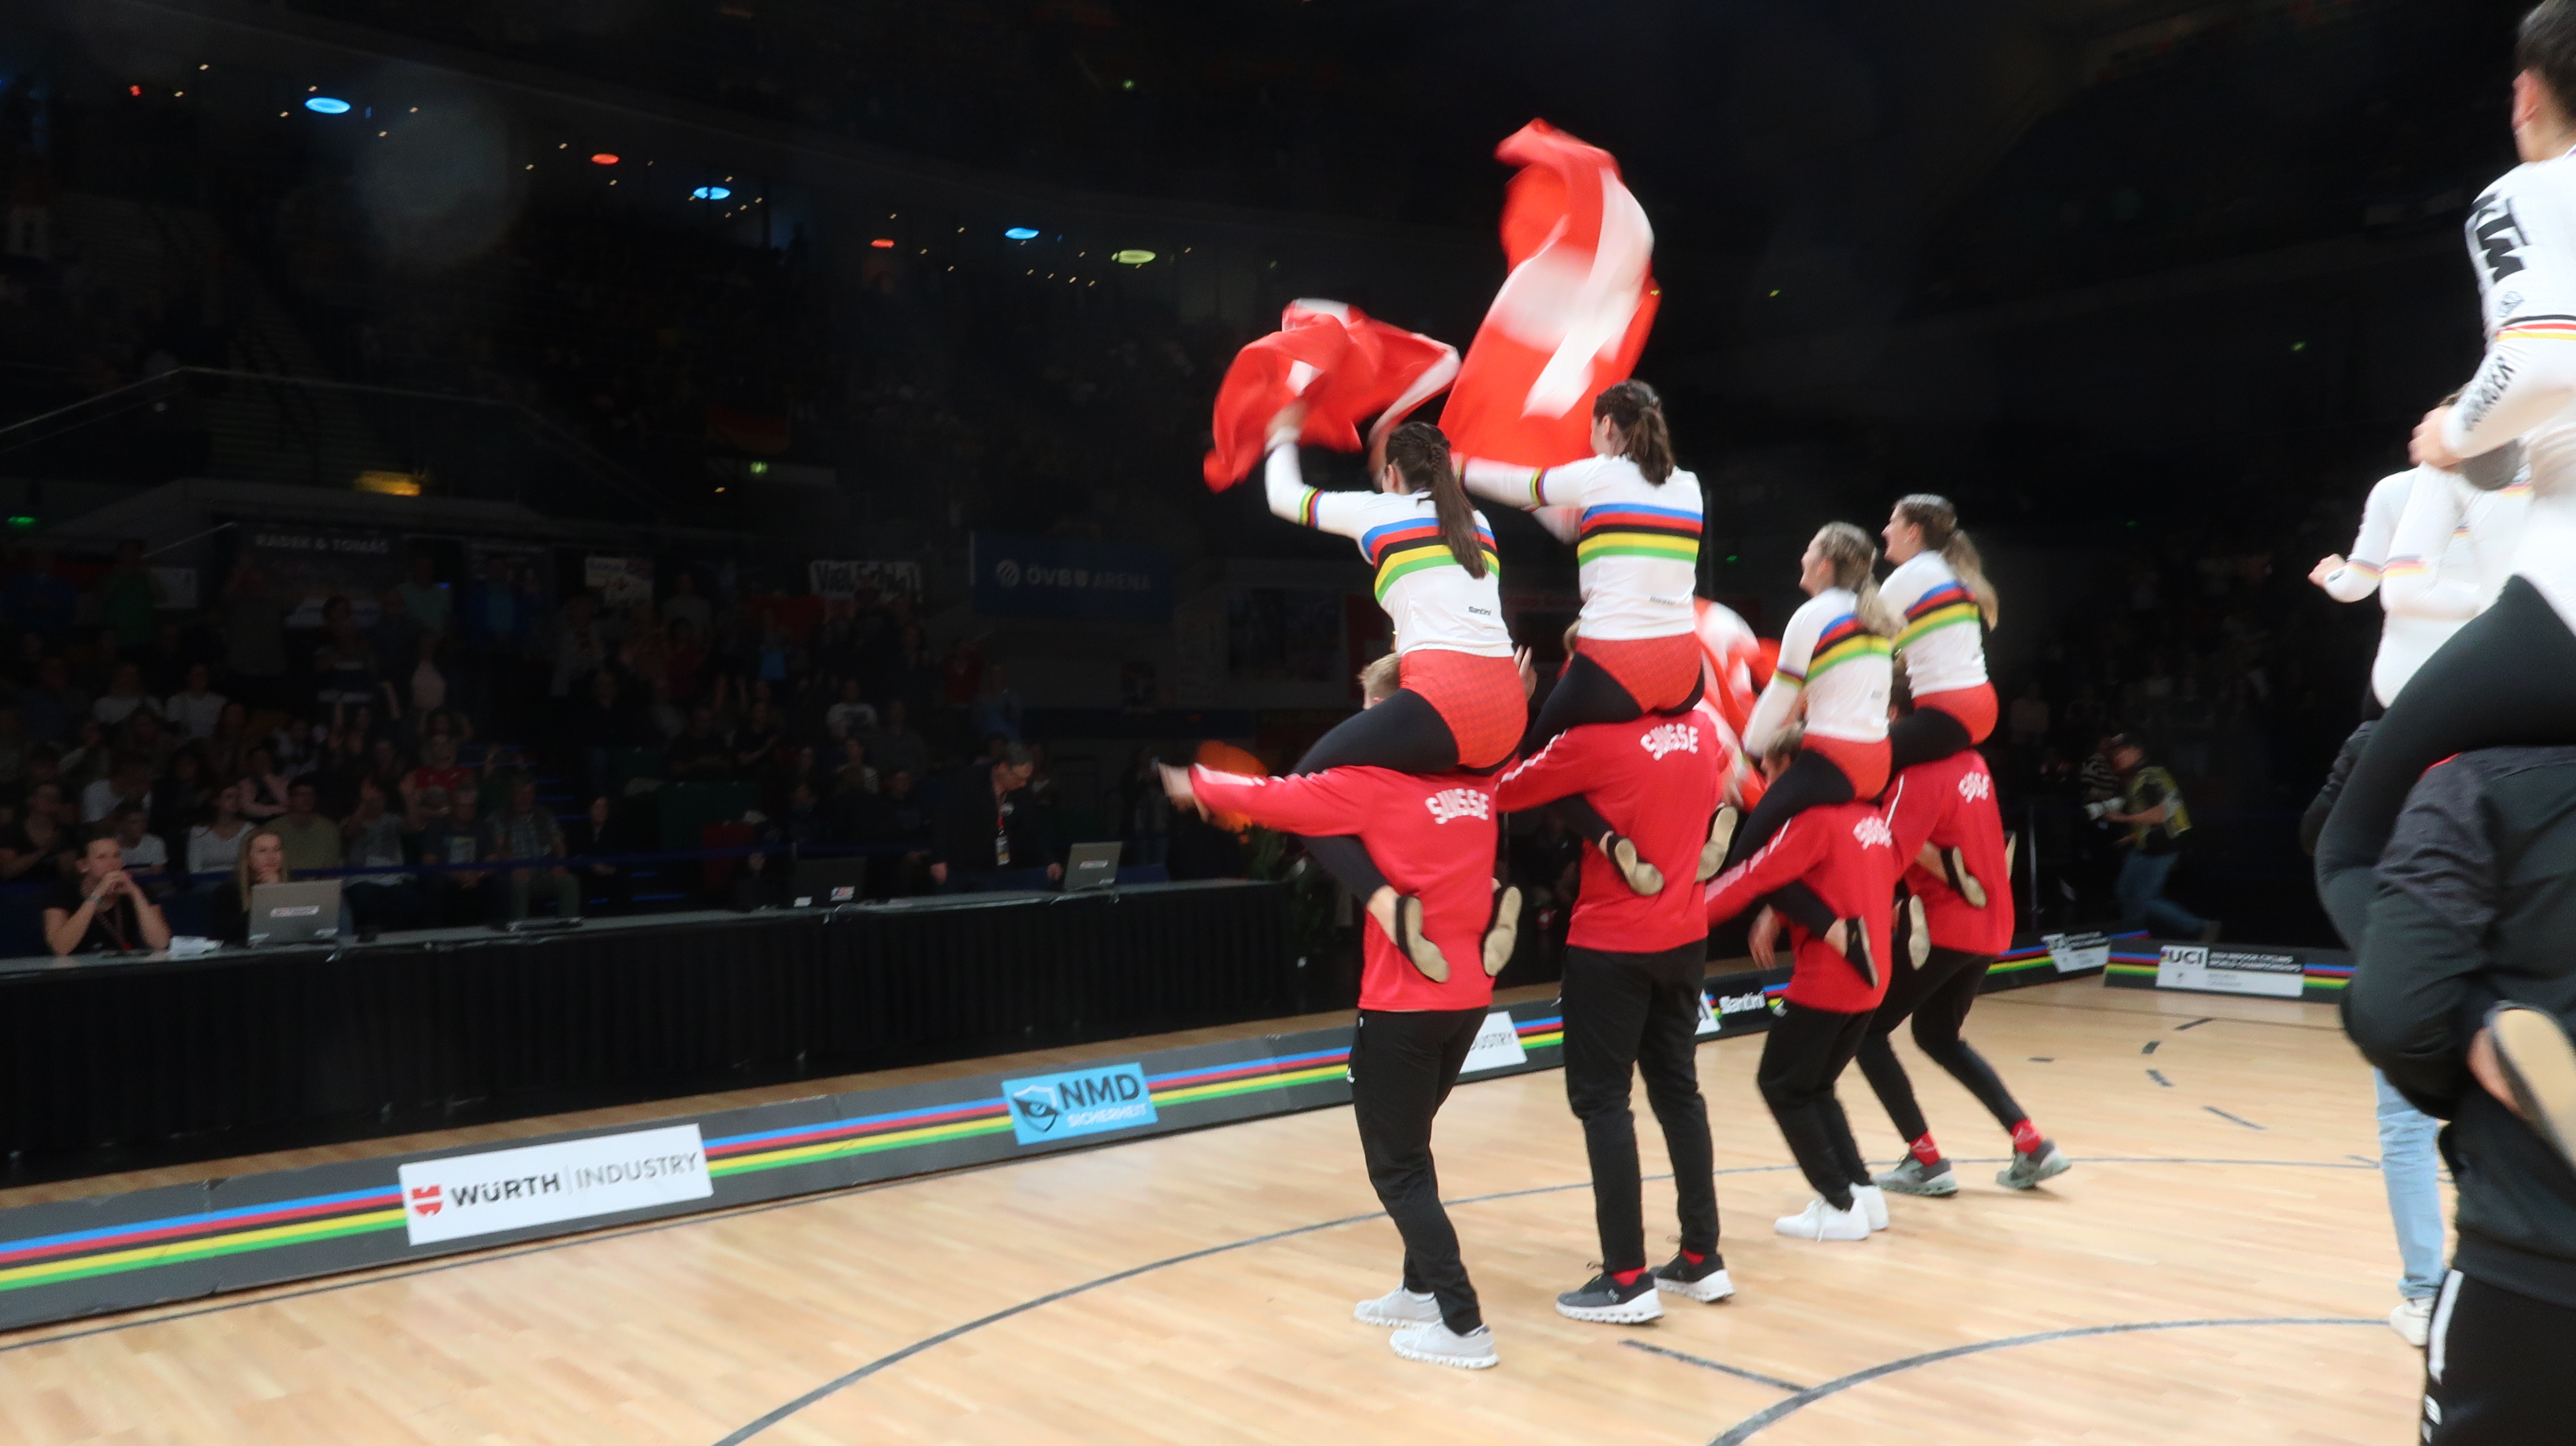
(1131, 257)
(603, 158)
(1022, 233)
(711, 193)
(883, 243)
(326, 105)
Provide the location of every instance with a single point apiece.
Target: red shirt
(1654, 780)
(1950, 803)
(1843, 852)
(1431, 835)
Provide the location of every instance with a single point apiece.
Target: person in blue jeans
(2150, 804)
(2411, 1167)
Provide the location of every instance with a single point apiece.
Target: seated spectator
(371, 838)
(385, 766)
(145, 734)
(140, 851)
(123, 696)
(895, 745)
(214, 845)
(755, 740)
(89, 758)
(227, 746)
(262, 860)
(445, 835)
(344, 665)
(986, 827)
(597, 833)
(263, 789)
(850, 717)
(127, 785)
(53, 705)
(100, 909)
(438, 768)
(43, 844)
(422, 597)
(761, 882)
(312, 841)
(893, 816)
(180, 797)
(699, 751)
(521, 833)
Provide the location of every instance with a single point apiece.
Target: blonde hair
(1852, 555)
(1942, 534)
(242, 881)
(1380, 679)
(1785, 746)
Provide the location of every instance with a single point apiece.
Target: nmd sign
(1079, 1102)
(2224, 971)
(468, 1195)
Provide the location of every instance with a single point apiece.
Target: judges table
(119, 1061)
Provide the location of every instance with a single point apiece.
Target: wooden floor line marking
(2151, 1046)
(821, 1392)
(1744, 1430)
(1756, 1377)
(2224, 1115)
(2159, 1077)
(2197, 1023)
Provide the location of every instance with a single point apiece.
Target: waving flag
(1572, 315)
(1344, 366)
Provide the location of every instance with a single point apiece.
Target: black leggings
(2506, 677)
(1803, 1054)
(1403, 1064)
(1639, 1014)
(1924, 736)
(1939, 996)
(1811, 781)
(1404, 733)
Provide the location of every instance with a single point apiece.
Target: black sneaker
(1607, 1301)
(1856, 949)
(1704, 1281)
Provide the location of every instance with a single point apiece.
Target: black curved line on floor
(1743, 1431)
(745, 1433)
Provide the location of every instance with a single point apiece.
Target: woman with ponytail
(1459, 705)
(1835, 670)
(1940, 591)
(1634, 520)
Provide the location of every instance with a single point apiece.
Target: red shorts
(1973, 707)
(1865, 764)
(1658, 672)
(1480, 698)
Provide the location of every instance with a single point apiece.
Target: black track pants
(1804, 1053)
(1639, 1011)
(1402, 1066)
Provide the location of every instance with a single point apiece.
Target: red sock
(2027, 1138)
(1926, 1151)
(1694, 1257)
(1627, 1277)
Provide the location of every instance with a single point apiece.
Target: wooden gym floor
(2215, 1270)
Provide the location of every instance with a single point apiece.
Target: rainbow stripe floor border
(2150, 964)
(109, 1253)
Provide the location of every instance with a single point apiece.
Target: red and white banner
(1571, 317)
(1343, 365)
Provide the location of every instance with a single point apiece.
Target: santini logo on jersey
(1451, 803)
(1668, 738)
(1975, 785)
(1872, 831)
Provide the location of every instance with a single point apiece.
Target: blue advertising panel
(1036, 577)
(1083, 1101)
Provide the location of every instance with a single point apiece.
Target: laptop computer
(1091, 866)
(827, 883)
(294, 913)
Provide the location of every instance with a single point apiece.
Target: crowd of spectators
(472, 755)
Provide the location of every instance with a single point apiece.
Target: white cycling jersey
(1427, 594)
(2522, 240)
(1839, 666)
(1944, 641)
(1636, 545)
(2448, 557)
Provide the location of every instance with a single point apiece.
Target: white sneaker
(1872, 1202)
(1820, 1221)
(2413, 1319)
(1441, 1346)
(1398, 1307)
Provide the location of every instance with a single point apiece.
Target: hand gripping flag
(1571, 316)
(1344, 366)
